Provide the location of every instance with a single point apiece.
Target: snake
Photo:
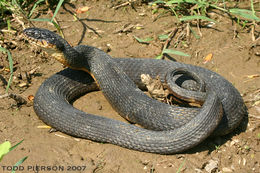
(165, 129)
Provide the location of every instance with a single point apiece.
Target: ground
(235, 56)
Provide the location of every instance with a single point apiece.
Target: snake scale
(167, 129)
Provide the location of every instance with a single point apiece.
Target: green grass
(180, 167)
(187, 11)
(8, 7)
(57, 26)
(10, 59)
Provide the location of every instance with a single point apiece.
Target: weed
(14, 8)
(183, 162)
(217, 147)
(10, 59)
(144, 41)
(197, 10)
(5, 148)
(52, 20)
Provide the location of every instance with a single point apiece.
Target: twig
(4, 95)
(124, 4)
(50, 11)
(188, 30)
(254, 116)
(253, 31)
(169, 39)
(19, 100)
(198, 26)
(18, 20)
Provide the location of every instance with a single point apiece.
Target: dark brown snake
(167, 129)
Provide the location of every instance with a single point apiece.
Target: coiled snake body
(168, 129)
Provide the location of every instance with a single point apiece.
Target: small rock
(227, 170)
(233, 142)
(99, 107)
(23, 84)
(198, 170)
(146, 162)
(212, 166)
(244, 161)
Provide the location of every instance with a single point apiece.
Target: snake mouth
(40, 42)
(36, 38)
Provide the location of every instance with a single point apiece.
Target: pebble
(198, 170)
(212, 166)
(21, 85)
(235, 141)
(244, 162)
(227, 170)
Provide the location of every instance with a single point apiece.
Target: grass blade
(158, 2)
(13, 147)
(34, 6)
(159, 56)
(19, 163)
(10, 59)
(41, 20)
(182, 1)
(247, 14)
(163, 37)
(145, 41)
(179, 170)
(57, 9)
(175, 52)
(187, 18)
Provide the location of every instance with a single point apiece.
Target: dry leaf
(208, 58)
(7, 69)
(30, 97)
(82, 9)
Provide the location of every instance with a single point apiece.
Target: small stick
(122, 5)
(253, 32)
(19, 100)
(170, 37)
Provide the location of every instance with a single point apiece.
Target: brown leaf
(30, 97)
(207, 58)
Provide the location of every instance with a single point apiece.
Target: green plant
(217, 147)
(186, 10)
(170, 51)
(10, 59)
(16, 7)
(179, 169)
(6, 147)
(46, 19)
(144, 41)
(197, 10)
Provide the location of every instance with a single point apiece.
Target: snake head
(50, 42)
(44, 38)
(55, 46)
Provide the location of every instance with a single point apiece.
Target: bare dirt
(235, 56)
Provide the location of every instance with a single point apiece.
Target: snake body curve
(172, 131)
